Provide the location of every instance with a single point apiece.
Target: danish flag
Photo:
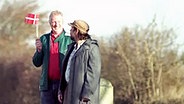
(32, 18)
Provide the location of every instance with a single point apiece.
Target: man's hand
(38, 45)
(84, 101)
(60, 98)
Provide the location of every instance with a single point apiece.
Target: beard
(72, 38)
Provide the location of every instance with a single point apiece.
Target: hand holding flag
(32, 19)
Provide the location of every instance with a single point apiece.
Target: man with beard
(80, 80)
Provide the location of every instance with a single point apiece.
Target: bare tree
(18, 82)
(137, 61)
(12, 15)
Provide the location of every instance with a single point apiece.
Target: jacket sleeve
(38, 58)
(92, 74)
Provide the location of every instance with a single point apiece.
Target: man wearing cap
(80, 81)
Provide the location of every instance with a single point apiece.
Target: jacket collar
(60, 36)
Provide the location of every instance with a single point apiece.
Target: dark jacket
(84, 73)
(42, 58)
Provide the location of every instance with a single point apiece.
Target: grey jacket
(84, 74)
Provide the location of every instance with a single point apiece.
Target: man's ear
(77, 31)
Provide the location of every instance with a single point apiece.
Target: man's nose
(56, 23)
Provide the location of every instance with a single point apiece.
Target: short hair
(82, 35)
(53, 13)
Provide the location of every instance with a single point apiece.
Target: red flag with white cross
(32, 18)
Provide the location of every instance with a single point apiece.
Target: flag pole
(37, 31)
(36, 23)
